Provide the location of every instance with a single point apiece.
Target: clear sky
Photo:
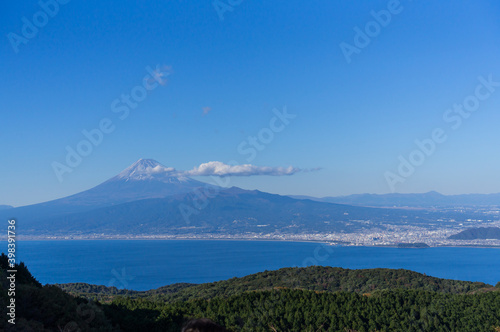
(360, 100)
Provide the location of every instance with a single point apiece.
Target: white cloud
(159, 169)
(218, 168)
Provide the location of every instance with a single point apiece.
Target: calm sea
(143, 265)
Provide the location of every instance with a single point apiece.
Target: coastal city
(388, 235)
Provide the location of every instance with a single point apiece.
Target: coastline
(319, 241)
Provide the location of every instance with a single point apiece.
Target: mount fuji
(144, 179)
(149, 198)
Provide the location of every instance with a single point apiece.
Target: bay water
(148, 264)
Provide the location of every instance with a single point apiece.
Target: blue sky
(353, 120)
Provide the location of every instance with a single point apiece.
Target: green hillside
(300, 310)
(47, 308)
(316, 278)
(290, 299)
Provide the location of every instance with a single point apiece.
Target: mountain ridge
(428, 199)
(233, 211)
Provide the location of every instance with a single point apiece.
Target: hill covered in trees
(46, 308)
(302, 310)
(314, 278)
(291, 299)
(477, 233)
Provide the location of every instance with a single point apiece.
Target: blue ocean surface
(148, 264)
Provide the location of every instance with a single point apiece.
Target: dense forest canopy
(291, 299)
(316, 278)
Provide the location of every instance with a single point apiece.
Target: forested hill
(315, 278)
(290, 299)
(45, 308)
(477, 233)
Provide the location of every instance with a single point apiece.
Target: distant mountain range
(430, 199)
(148, 198)
(5, 207)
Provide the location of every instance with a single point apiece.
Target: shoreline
(325, 242)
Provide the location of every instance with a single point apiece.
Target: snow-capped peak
(149, 169)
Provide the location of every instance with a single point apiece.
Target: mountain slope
(145, 179)
(231, 211)
(477, 233)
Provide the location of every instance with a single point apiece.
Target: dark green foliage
(105, 294)
(290, 299)
(23, 276)
(317, 278)
(299, 310)
(413, 245)
(315, 299)
(46, 308)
